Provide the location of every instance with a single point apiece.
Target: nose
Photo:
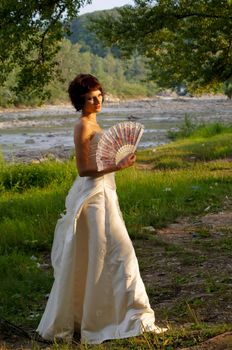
(96, 101)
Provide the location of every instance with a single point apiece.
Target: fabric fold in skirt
(98, 290)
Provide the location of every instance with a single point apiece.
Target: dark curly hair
(81, 85)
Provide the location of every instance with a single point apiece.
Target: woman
(97, 290)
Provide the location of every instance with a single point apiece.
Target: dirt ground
(187, 271)
(199, 266)
(220, 342)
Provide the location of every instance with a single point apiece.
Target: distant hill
(88, 39)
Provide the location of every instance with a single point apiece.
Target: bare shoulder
(82, 130)
(81, 126)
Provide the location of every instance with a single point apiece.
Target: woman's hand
(127, 161)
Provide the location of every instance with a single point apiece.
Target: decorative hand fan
(118, 142)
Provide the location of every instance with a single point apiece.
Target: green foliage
(20, 177)
(162, 196)
(30, 36)
(218, 146)
(123, 78)
(82, 35)
(185, 130)
(205, 143)
(118, 77)
(211, 129)
(190, 127)
(228, 87)
(2, 161)
(28, 220)
(30, 81)
(25, 282)
(185, 42)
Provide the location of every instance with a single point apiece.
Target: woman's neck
(90, 117)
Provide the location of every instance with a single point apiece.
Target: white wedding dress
(98, 290)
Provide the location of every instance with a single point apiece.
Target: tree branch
(41, 54)
(198, 14)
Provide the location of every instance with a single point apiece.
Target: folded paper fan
(118, 142)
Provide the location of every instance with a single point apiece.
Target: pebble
(149, 229)
(28, 141)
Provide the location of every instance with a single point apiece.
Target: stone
(29, 141)
(149, 229)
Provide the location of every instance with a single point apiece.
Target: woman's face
(93, 102)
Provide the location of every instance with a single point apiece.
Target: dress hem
(134, 333)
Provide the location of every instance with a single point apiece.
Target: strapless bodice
(88, 182)
(93, 146)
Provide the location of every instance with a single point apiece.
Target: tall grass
(191, 128)
(207, 143)
(20, 177)
(158, 198)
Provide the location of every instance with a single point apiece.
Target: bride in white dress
(98, 290)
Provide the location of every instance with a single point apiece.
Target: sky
(104, 5)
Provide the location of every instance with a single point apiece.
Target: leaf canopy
(30, 33)
(185, 41)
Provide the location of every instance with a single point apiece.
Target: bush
(191, 128)
(19, 177)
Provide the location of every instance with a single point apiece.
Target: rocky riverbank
(35, 134)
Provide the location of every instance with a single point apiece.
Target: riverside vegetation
(187, 278)
(133, 50)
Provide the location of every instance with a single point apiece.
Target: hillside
(81, 34)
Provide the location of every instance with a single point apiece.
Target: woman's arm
(82, 135)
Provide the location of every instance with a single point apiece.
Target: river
(48, 131)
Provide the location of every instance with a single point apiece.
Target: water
(32, 133)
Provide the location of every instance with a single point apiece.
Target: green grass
(23, 283)
(191, 128)
(157, 198)
(189, 177)
(175, 339)
(184, 153)
(21, 177)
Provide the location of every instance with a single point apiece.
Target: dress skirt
(98, 290)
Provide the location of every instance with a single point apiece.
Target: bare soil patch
(220, 342)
